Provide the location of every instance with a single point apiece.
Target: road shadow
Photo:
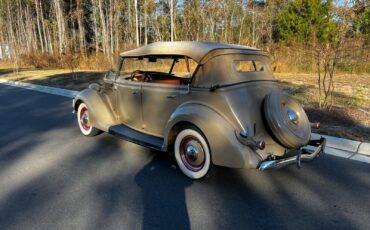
(5, 71)
(337, 122)
(318, 196)
(15, 124)
(163, 191)
(10, 70)
(73, 81)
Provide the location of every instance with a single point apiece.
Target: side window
(180, 68)
(249, 66)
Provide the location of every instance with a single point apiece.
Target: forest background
(93, 32)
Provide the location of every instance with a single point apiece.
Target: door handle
(171, 96)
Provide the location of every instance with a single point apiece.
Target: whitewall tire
(83, 120)
(192, 153)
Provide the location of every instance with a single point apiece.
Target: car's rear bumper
(295, 156)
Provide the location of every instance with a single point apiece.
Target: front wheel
(83, 120)
(192, 153)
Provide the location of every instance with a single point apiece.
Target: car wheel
(192, 153)
(83, 120)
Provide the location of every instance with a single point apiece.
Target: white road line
(41, 88)
(72, 94)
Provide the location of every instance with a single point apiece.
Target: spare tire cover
(287, 120)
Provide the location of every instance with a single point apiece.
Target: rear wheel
(83, 120)
(192, 153)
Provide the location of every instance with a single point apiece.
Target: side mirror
(110, 75)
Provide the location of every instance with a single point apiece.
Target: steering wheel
(147, 78)
(134, 75)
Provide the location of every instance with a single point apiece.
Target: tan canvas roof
(194, 50)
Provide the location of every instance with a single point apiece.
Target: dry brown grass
(4, 64)
(349, 118)
(69, 60)
(349, 89)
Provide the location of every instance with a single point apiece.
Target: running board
(128, 134)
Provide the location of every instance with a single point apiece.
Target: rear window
(234, 68)
(249, 66)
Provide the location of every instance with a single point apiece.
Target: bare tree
(60, 25)
(172, 22)
(328, 54)
(103, 27)
(137, 24)
(41, 40)
(81, 27)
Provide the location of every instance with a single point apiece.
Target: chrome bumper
(299, 155)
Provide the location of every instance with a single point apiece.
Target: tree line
(88, 27)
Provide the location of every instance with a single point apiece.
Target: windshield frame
(175, 59)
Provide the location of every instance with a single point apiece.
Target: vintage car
(205, 103)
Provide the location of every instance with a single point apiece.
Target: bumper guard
(299, 155)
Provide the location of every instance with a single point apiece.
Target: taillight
(244, 138)
(315, 125)
(261, 145)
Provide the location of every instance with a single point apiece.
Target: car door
(159, 101)
(129, 103)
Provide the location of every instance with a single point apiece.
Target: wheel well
(176, 129)
(77, 104)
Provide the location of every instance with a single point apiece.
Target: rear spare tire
(286, 120)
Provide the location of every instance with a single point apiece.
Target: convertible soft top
(195, 50)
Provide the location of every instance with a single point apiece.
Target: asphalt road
(52, 177)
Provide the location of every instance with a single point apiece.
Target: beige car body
(221, 113)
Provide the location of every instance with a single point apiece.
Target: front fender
(101, 116)
(226, 150)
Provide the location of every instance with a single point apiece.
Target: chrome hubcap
(292, 116)
(84, 119)
(192, 153)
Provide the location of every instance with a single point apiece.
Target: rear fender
(101, 116)
(226, 150)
